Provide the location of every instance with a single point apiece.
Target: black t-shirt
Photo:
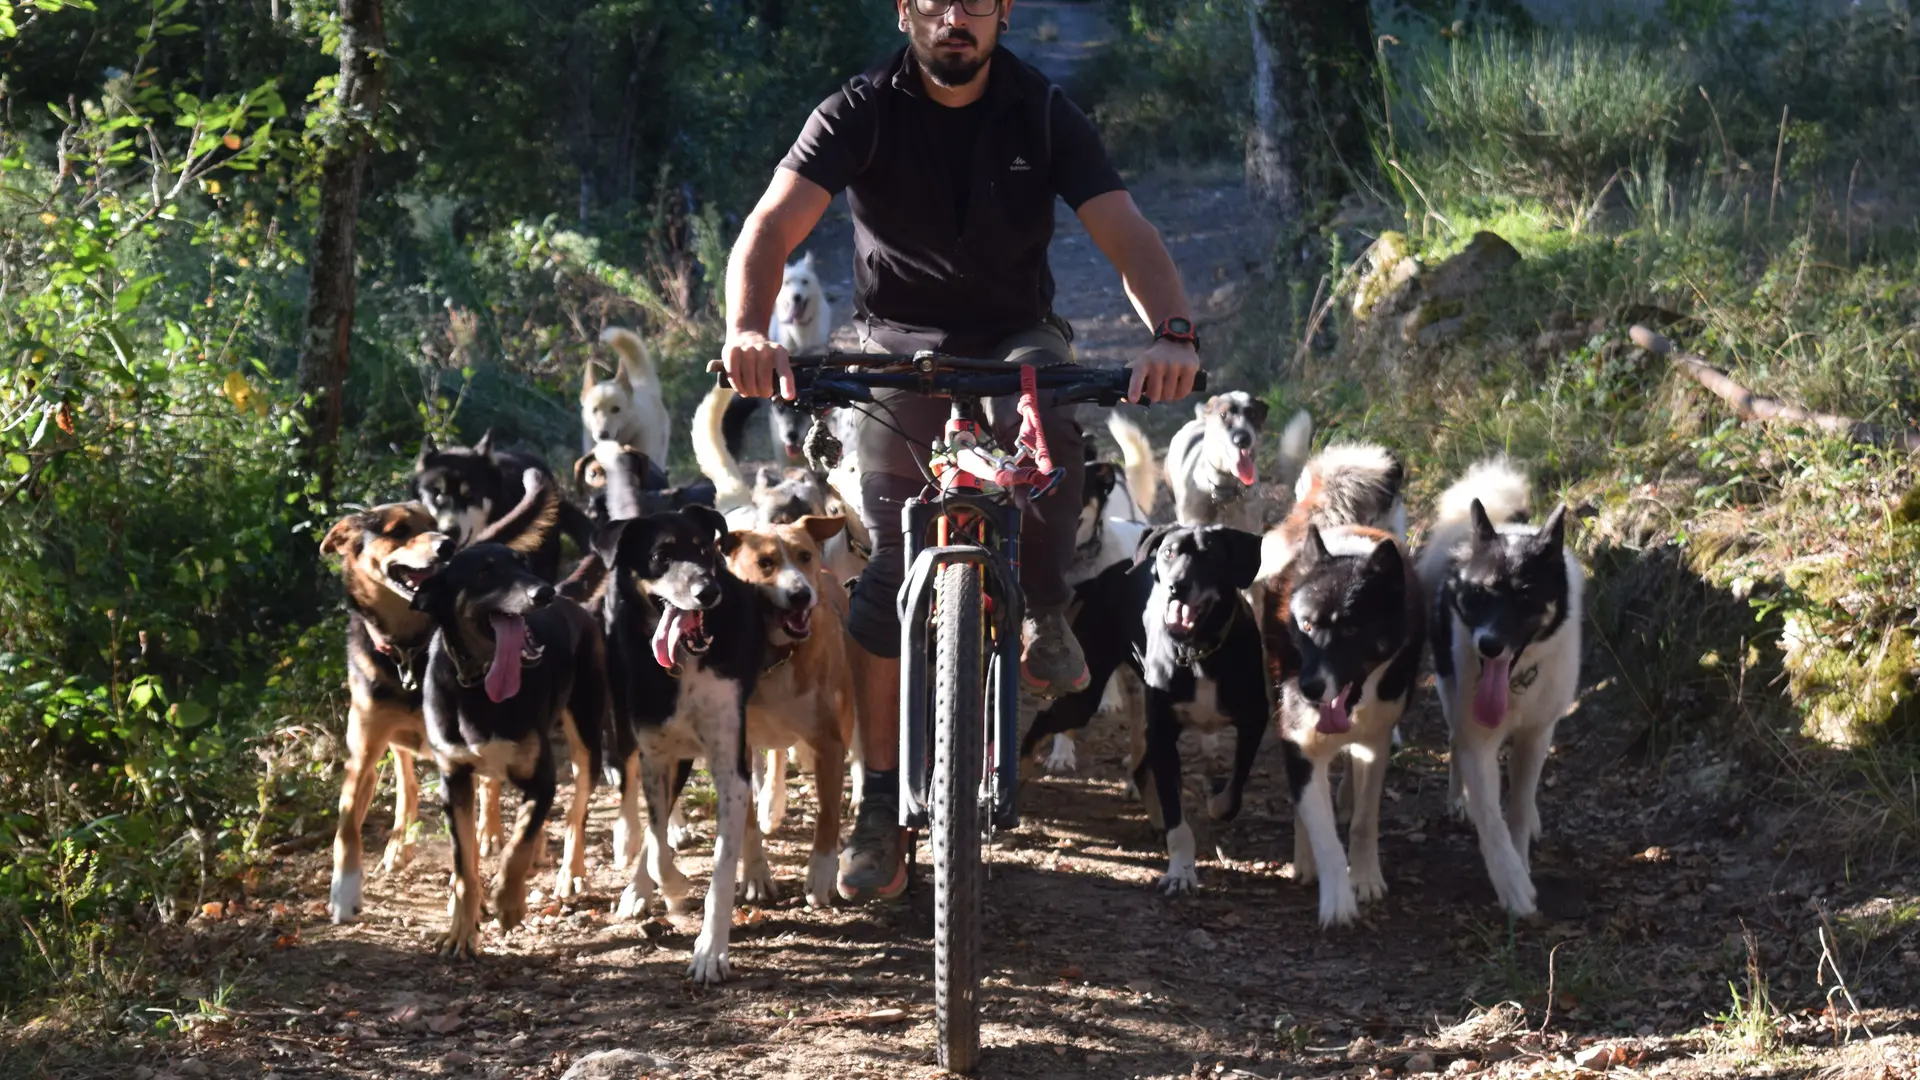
(952, 208)
(956, 131)
(835, 144)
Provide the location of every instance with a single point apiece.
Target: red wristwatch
(1177, 329)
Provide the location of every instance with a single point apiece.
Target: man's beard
(951, 71)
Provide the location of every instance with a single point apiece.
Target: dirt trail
(1648, 874)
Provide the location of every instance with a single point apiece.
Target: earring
(1003, 26)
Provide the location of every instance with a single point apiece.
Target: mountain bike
(960, 613)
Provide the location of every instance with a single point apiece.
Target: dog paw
(1368, 885)
(510, 905)
(492, 841)
(1338, 907)
(399, 854)
(1179, 880)
(1517, 895)
(462, 942)
(757, 885)
(822, 868)
(343, 900)
(709, 966)
(1222, 806)
(568, 885)
(633, 903)
(1062, 759)
(677, 898)
(679, 833)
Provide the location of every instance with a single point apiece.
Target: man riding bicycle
(952, 152)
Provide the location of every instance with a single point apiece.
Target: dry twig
(1752, 406)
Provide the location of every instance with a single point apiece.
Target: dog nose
(445, 548)
(1242, 439)
(541, 596)
(1312, 687)
(1489, 645)
(707, 594)
(799, 598)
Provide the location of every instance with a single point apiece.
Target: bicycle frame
(965, 524)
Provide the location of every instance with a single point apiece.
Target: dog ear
(586, 379)
(1150, 543)
(484, 447)
(426, 451)
(1551, 540)
(1386, 561)
(767, 477)
(430, 594)
(806, 262)
(607, 538)
(1243, 555)
(730, 542)
(1483, 530)
(706, 517)
(1257, 413)
(589, 473)
(1314, 547)
(344, 536)
(1200, 409)
(822, 526)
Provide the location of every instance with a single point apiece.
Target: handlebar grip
(1200, 381)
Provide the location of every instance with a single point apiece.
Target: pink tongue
(674, 625)
(1490, 697)
(509, 638)
(1243, 469)
(1333, 715)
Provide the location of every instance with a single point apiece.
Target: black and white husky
(1506, 653)
(1341, 613)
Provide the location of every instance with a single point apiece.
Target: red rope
(1032, 435)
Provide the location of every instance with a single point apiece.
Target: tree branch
(1752, 406)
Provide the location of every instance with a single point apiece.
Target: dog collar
(1189, 655)
(782, 656)
(402, 658)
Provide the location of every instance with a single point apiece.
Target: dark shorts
(893, 469)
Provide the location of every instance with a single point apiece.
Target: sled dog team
(705, 623)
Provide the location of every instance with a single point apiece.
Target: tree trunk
(322, 374)
(1272, 166)
(1313, 82)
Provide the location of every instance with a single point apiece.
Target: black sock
(879, 781)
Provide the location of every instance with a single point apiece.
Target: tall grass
(1540, 117)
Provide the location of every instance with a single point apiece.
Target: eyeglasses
(979, 9)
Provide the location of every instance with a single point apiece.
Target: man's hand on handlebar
(755, 363)
(1165, 372)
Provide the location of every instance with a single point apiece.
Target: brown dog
(805, 696)
(385, 553)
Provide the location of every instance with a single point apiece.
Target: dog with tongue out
(1342, 617)
(511, 664)
(1506, 656)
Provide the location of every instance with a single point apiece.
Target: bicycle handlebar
(825, 380)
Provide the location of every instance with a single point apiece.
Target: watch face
(1177, 325)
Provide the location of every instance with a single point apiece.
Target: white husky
(1506, 652)
(627, 408)
(801, 319)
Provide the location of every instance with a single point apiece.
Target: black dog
(1177, 617)
(674, 608)
(509, 662)
(482, 495)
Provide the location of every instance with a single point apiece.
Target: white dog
(801, 319)
(627, 408)
(1506, 653)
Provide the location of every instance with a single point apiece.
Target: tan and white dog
(805, 696)
(627, 408)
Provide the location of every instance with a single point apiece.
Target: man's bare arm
(786, 213)
(1165, 371)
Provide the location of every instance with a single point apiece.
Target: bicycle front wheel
(959, 724)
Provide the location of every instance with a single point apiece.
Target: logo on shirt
(1019, 165)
